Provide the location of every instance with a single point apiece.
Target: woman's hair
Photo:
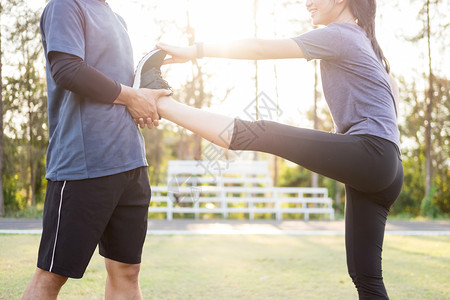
(364, 11)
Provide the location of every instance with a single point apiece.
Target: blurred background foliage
(424, 110)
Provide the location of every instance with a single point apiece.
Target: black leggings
(369, 166)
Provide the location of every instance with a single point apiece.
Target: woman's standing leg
(369, 167)
(364, 232)
(372, 171)
(365, 220)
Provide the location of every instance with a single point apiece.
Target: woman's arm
(255, 49)
(252, 49)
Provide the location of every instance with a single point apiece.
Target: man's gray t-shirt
(89, 139)
(355, 82)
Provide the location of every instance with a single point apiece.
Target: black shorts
(110, 211)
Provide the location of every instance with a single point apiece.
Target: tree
(195, 87)
(31, 90)
(434, 35)
(413, 132)
(25, 103)
(255, 35)
(170, 141)
(441, 137)
(315, 176)
(4, 9)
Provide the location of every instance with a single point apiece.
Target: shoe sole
(143, 65)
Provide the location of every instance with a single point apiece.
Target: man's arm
(72, 73)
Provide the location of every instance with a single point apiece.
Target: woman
(363, 154)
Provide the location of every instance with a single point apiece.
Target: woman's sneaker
(148, 73)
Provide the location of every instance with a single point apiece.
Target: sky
(213, 20)
(216, 21)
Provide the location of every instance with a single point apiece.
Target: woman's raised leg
(360, 162)
(208, 125)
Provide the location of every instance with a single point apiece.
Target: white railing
(251, 201)
(244, 187)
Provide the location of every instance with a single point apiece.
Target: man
(98, 190)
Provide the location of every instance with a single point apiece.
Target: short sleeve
(122, 21)
(62, 27)
(323, 43)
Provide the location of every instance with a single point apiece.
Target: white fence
(197, 187)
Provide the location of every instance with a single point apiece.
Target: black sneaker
(148, 73)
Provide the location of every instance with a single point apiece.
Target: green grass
(247, 267)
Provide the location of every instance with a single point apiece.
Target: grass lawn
(248, 267)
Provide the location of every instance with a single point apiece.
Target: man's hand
(141, 104)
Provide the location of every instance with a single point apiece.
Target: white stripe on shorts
(57, 226)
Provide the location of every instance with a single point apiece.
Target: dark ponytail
(364, 11)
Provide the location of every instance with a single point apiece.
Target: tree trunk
(158, 154)
(275, 170)
(337, 197)
(275, 158)
(197, 83)
(315, 176)
(255, 12)
(182, 148)
(31, 199)
(428, 120)
(197, 147)
(199, 101)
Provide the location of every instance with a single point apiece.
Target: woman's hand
(178, 54)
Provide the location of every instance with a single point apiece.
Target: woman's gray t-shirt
(355, 83)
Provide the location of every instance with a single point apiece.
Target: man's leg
(122, 281)
(123, 239)
(44, 285)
